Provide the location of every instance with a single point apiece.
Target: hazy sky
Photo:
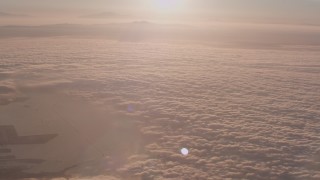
(68, 11)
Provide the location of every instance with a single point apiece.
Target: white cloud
(250, 114)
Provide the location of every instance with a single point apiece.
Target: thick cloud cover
(243, 114)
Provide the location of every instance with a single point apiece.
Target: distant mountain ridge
(272, 36)
(5, 14)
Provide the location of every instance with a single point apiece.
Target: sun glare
(167, 5)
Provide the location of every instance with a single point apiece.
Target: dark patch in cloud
(9, 94)
(6, 90)
(6, 100)
(4, 75)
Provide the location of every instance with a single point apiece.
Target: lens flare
(184, 151)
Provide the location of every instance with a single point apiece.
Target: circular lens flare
(184, 151)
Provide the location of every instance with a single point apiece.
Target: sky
(182, 11)
(253, 23)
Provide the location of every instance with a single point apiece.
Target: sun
(167, 5)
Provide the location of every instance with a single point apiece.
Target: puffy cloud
(242, 114)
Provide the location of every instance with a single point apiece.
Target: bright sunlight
(167, 5)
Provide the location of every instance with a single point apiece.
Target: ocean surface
(124, 110)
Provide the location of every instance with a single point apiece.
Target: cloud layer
(243, 114)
